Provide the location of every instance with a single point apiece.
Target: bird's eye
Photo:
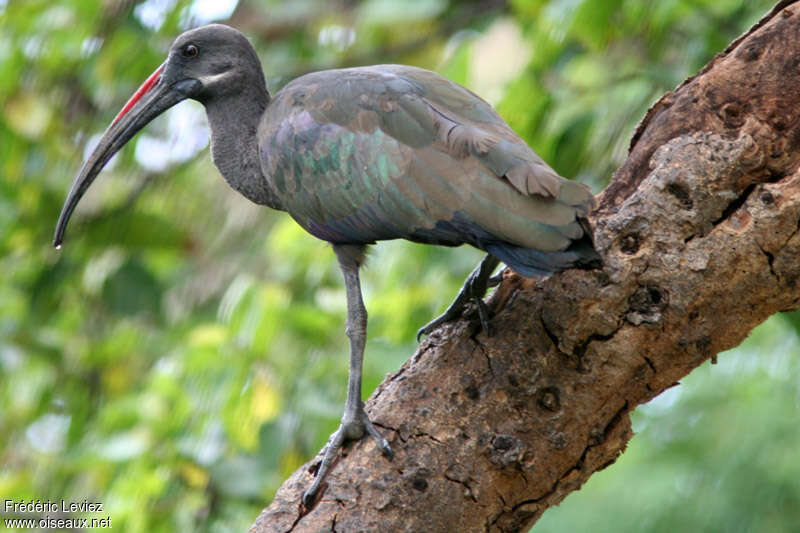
(190, 50)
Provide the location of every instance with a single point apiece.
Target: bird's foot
(354, 426)
(454, 311)
(473, 290)
(451, 313)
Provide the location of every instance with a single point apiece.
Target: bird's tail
(534, 263)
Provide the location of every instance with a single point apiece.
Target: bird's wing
(360, 155)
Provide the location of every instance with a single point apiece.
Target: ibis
(360, 155)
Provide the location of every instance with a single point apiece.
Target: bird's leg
(355, 422)
(474, 288)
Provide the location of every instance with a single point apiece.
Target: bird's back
(365, 154)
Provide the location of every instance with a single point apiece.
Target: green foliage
(184, 352)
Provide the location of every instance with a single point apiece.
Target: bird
(359, 155)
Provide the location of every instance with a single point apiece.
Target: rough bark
(699, 233)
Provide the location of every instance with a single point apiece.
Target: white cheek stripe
(212, 79)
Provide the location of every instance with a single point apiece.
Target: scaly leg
(355, 422)
(474, 288)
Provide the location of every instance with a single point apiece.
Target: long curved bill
(150, 100)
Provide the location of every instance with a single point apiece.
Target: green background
(184, 352)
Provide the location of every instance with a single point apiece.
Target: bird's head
(203, 64)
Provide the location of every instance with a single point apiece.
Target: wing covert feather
(387, 152)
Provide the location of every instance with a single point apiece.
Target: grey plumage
(360, 155)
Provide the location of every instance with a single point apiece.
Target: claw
(450, 314)
(483, 314)
(383, 444)
(474, 288)
(308, 496)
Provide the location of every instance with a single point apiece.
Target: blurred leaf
(207, 335)
(386, 12)
(237, 477)
(593, 22)
(133, 230)
(132, 289)
(793, 319)
(249, 408)
(47, 287)
(28, 115)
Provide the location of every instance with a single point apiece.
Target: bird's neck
(234, 142)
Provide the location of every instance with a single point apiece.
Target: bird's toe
(437, 322)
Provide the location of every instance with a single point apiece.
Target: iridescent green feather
(360, 155)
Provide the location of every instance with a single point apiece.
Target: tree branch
(699, 232)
